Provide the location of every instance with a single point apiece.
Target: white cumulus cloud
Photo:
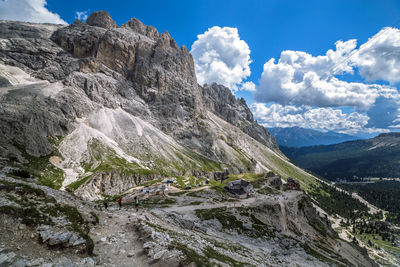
(81, 15)
(221, 56)
(299, 78)
(248, 86)
(379, 57)
(308, 91)
(323, 119)
(29, 11)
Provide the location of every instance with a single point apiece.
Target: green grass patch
(309, 250)
(75, 185)
(253, 178)
(41, 169)
(55, 140)
(285, 170)
(378, 242)
(227, 219)
(204, 259)
(184, 181)
(191, 255)
(268, 191)
(157, 202)
(211, 253)
(109, 161)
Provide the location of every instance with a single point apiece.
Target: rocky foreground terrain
(46, 227)
(93, 111)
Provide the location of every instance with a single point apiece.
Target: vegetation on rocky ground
(230, 221)
(352, 159)
(338, 202)
(34, 207)
(75, 185)
(40, 169)
(383, 194)
(206, 258)
(157, 202)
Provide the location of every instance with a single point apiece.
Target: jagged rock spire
(101, 19)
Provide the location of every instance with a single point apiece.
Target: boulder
(6, 258)
(213, 224)
(65, 262)
(159, 254)
(101, 19)
(20, 263)
(248, 226)
(59, 238)
(274, 181)
(62, 238)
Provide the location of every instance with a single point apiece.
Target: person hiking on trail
(105, 204)
(137, 203)
(120, 202)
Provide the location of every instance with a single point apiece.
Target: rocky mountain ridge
(86, 82)
(300, 137)
(222, 102)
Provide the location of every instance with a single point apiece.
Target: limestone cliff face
(220, 100)
(156, 68)
(130, 88)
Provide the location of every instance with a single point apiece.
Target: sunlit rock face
(94, 93)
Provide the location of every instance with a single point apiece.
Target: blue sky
(268, 28)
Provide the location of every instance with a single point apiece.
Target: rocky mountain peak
(137, 26)
(125, 89)
(221, 101)
(101, 19)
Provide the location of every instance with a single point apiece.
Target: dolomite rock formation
(97, 109)
(131, 88)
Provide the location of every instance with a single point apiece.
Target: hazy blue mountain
(298, 137)
(375, 157)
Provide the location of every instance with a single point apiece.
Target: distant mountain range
(375, 157)
(299, 137)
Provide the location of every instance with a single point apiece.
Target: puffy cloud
(323, 119)
(379, 57)
(221, 56)
(28, 10)
(81, 15)
(248, 86)
(299, 78)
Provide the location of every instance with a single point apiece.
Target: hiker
(163, 189)
(120, 202)
(137, 203)
(105, 204)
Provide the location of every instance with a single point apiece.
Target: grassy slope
(40, 168)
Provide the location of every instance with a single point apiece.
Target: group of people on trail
(105, 203)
